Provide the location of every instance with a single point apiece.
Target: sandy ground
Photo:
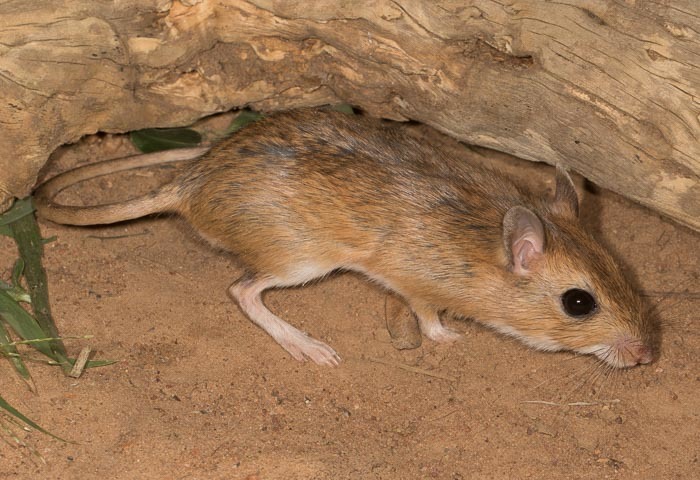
(201, 393)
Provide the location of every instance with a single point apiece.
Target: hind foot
(299, 345)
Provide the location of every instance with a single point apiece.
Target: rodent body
(301, 194)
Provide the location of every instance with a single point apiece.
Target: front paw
(442, 334)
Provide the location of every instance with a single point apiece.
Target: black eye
(578, 303)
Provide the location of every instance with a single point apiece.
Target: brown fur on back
(325, 190)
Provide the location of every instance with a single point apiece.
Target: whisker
(601, 377)
(609, 371)
(583, 379)
(596, 382)
(569, 377)
(547, 379)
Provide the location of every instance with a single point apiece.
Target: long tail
(161, 200)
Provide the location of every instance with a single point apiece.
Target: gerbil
(298, 195)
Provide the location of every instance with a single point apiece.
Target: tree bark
(607, 88)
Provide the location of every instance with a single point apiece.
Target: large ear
(565, 202)
(523, 238)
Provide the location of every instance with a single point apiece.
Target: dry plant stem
(29, 244)
(408, 368)
(571, 404)
(80, 363)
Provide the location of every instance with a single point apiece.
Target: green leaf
(15, 289)
(16, 413)
(17, 270)
(24, 324)
(95, 363)
(30, 245)
(157, 139)
(343, 107)
(19, 209)
(16, 293)
(10, 351)
(48, 240)
(243, 119)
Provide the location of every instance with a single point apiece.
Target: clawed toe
(304, 347)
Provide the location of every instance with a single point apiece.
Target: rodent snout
(642, 354)
(628, 352)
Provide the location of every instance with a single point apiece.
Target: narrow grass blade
(17, 270)
(344, 108)
(19, 209)
(15, 289)
(243, 119)
(97, 363)
(31, 248)
(157, 139)
(17, 414)
(8, 349)
(24, 324)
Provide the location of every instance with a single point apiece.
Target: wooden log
(607, 88)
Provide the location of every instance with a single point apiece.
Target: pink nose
(642, 354)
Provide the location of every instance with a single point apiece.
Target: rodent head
(583, 302)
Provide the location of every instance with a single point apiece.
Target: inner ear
(523, 238)
(565, 203)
